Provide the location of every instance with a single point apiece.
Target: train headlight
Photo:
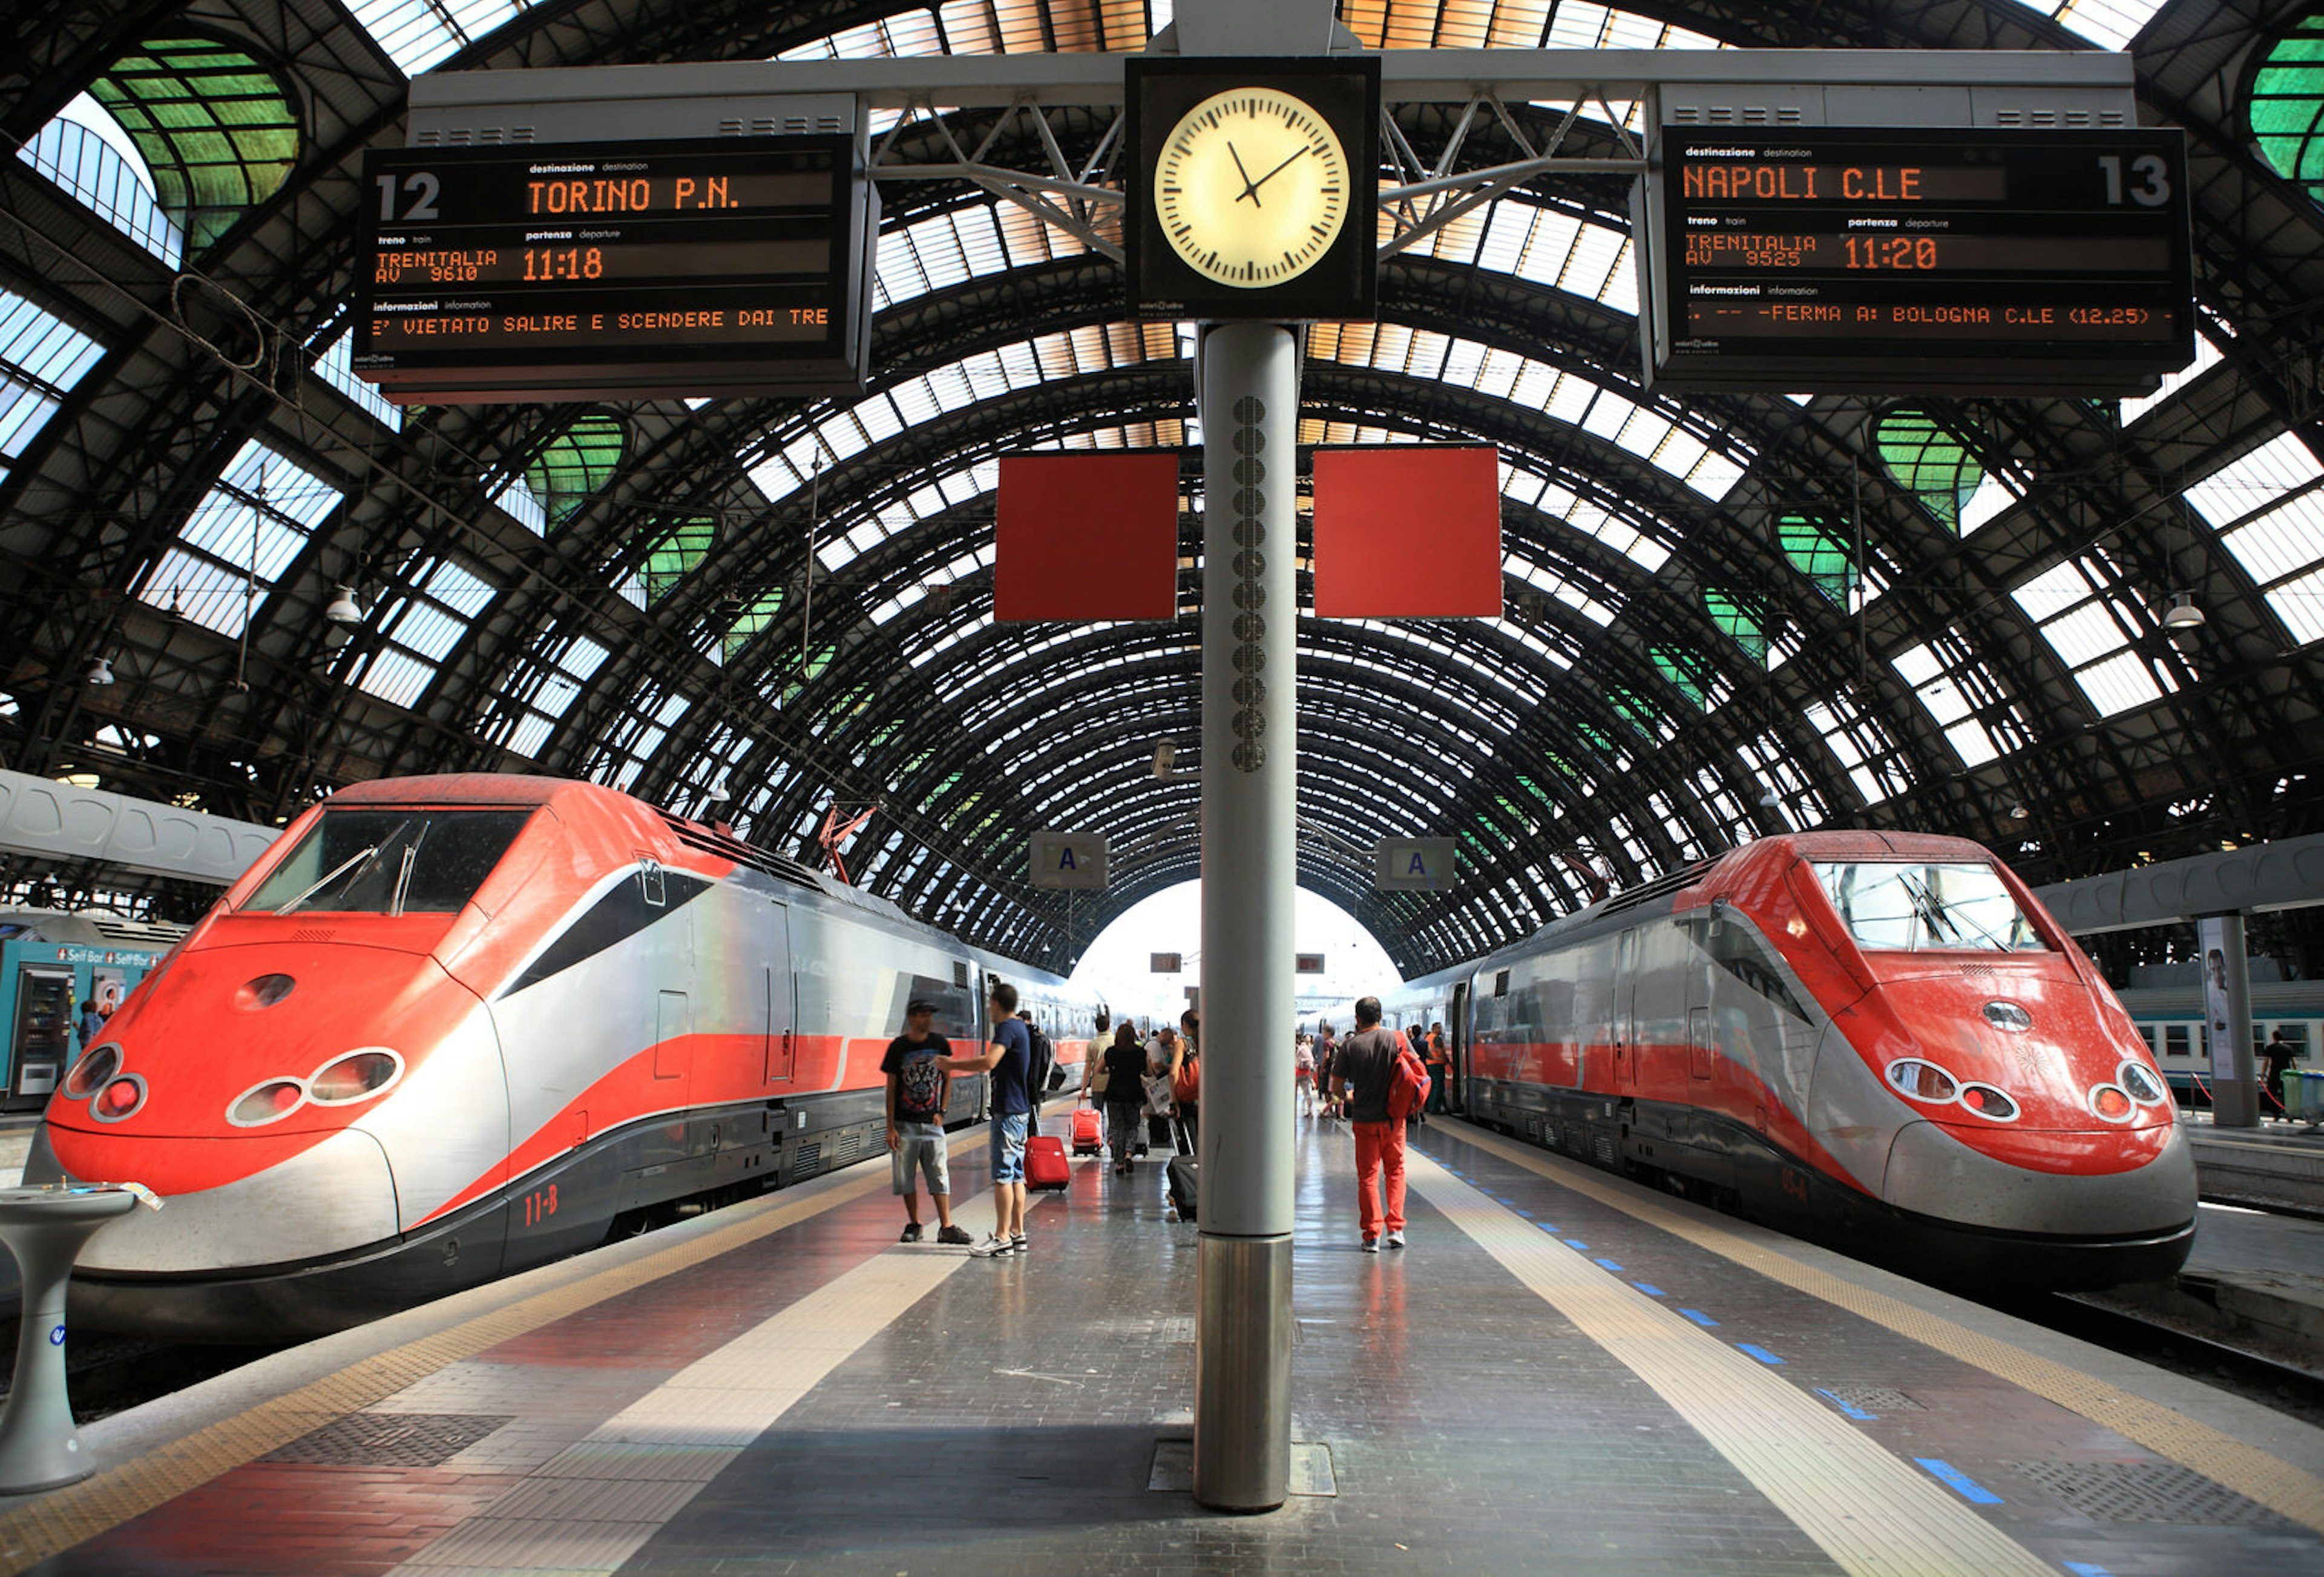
(270, 1101)
(2141, 1084)
(2112, 1102)
(356, 1076)
(1987, 1102)
(1924, 1081)
(119, 1099)
(88, 1075)
(264, 992)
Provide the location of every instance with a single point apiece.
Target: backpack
(1408, 1084)
(1186, 1084)
(1040, 1056)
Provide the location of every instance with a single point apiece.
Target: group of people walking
(1151, 1093)
(1151, 1090)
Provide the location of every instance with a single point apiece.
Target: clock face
(1251, 187)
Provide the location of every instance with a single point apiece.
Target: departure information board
(614, 270)
(1919, 260)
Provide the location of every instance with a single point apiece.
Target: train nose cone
(1931, 1171)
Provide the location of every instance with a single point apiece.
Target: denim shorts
(1009, 1147)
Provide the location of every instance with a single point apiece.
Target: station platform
(2277, 1165)
(1563, 1371)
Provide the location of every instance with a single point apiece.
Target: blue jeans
(1008, 1142)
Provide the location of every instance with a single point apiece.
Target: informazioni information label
(1821, 257)
(717, 261)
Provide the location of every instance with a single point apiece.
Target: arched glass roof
(793, 598)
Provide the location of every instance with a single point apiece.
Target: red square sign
(1086, 536)
(1407, 532)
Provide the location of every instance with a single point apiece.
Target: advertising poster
(2222, 994)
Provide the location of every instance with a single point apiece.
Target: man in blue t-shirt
(1009, 1060)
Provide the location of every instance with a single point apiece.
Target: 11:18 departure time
(563, 262)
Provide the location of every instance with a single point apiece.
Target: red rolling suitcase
(1045, 1165)
(1089, 1134)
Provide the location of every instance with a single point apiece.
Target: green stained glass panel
(1742, 618)
(214, 128)
(1596, 739)
(576, 463)
(1928, 463)
(679, 551)
(756, 617)
(1816, 551)
(2287, 106)
(1687, 671)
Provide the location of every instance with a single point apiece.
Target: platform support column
(2227, 1015)
(1247, 378)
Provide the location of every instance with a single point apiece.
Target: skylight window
(247, 530)
(2270, 508)
(2207, 356)
(41, 359)
(334, 367)
(421, 631)
(2110, 24)
(2091, 635)
(1939, 691)
(419, 33)
(85, 151)
(1862, 748)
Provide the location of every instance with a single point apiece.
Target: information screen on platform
(1919, 260)
(701, 266)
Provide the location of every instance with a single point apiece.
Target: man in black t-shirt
(917, 1088)
(1360, 1070)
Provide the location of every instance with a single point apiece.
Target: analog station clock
(1253, 188)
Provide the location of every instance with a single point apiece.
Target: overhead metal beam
(64, 821)
(1455, 76)
(2286, 874)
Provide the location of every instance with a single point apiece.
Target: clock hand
(1250, 189)
(1253, 186)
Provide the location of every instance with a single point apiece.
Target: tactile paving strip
(389, 1440)
(2146, 1492)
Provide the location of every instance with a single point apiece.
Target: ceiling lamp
(98, 672)
(1166, 758)
(719, 792)
(2184, 611)
(343, 610)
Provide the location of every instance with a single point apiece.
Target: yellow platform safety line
(1874, 1515)
(2285, 1487)
(41, 1525)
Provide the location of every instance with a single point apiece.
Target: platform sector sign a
(614, 270)
(1413, 864)
(1916, 260)
(1072, 861)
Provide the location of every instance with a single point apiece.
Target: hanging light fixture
(342, 609)
(2184, 611)
(719, 793)
(98, 672)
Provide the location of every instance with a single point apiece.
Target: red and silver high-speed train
(449, 1028)
(1880, 1040)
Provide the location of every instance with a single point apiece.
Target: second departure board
(613, 269)
(1919, 260)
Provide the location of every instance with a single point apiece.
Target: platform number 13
(2150, 176)
(419, 191)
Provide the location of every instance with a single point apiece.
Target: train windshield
(1893, 907)
(388, 861)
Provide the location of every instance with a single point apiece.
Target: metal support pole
(1248, 396)
(2227, 1019)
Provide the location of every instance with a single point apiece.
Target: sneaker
(1371, 1245)
(1396, 1240)
(993, 1247)
(1017, 1245)
(954, 1235)
(911, 1232)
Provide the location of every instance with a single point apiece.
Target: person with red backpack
(1370, 1071)
(1186, 1086)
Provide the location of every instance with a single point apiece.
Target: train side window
(2174, 1040)
(650, 882)
(2146, 1033)
(1501, 982)
(2296, 1035)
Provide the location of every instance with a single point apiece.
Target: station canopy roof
(1727, 615)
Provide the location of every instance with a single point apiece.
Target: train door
(1457, 1072)
(781, 991)
(1699, 1033)
(1625, 1012)
(673, 1044)
(40, 1042)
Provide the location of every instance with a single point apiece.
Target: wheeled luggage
(1184, 1179)
(1045, 1165)
(1089, 1133)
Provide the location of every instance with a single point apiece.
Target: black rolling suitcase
(1185, 1179)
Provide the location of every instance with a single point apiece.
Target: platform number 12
(420, 190)
(2150, 172)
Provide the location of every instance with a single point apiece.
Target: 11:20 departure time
(1891, 250)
